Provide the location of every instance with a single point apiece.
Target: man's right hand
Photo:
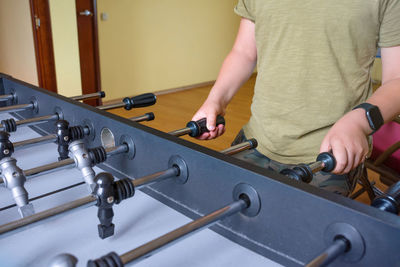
(210, 110)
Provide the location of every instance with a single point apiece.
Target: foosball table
(84, 187)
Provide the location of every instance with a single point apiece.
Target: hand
(210, 109)
(347, 139)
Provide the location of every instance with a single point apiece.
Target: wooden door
(86, 12)
(43, 41)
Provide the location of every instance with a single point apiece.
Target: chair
(385, 158)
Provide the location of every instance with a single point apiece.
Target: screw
(110, 200)
(6, 151)
(66, 138)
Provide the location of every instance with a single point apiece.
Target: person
(314, 61)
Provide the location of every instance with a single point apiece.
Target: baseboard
(172, 90)
(168, 91)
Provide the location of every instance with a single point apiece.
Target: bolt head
(110, 200)
(66, 138)
(6, 151)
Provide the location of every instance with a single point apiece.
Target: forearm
(237, 66)
(236, 70)
(387, 98)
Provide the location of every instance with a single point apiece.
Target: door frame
(43, 42)
(44, 49)
(93, 85)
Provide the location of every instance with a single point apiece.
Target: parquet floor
(172, 111)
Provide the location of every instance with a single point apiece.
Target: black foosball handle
(199, 127)
(143, 100)
(390, 201)
(304, 172)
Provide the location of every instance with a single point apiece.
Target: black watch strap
(373, 114)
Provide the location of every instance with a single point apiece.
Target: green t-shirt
(314, 64)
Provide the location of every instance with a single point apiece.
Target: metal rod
(317, 166)
(145, 117)
(112, 106)
(6, 97)
(181, 132)
(14, 225)
(117, 150)
(66, 163)
(156, 245)
(48, 167)
(33, 121)
(34, 141)
(237, 148)
(42, 139)
(88, 200)
(17, 107)
(88, 96)
(37, 120)
(155, 177)
(138, 183)
(339, 246)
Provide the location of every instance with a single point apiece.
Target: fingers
(210, 111)
(342, 157)
(348, 153)
(218, 131)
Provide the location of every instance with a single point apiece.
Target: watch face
(374, 117)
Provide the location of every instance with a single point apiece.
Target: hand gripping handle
(199, 127)
(139, 101)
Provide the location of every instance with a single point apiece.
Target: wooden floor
(172, 111)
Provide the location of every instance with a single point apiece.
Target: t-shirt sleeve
(244, 9)
(389, 33)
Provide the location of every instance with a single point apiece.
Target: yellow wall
(17, 52)
(66, 49)
(151, 45)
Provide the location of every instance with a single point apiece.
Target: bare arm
(347, 138)
(236, 69)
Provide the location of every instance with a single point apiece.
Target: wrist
(217, 100)
(361, 121)
(372, 116)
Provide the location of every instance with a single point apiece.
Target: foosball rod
(156, 245)
(248, 144)
(390, 200)
(84, 202)
(32, 105)
(91, 96)
(91, 200)
(6, 97)
(344, 243)
(84, 159)
(128, 103)
(10, 125)
(96, 95)
(337, 248)
(325, 162)
(53, 137)
(66, 163)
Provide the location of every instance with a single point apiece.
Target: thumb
(211, 121)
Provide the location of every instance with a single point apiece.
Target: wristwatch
(373, 114)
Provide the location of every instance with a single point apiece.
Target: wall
(151, 45)
(66, 49)
(17, 52)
